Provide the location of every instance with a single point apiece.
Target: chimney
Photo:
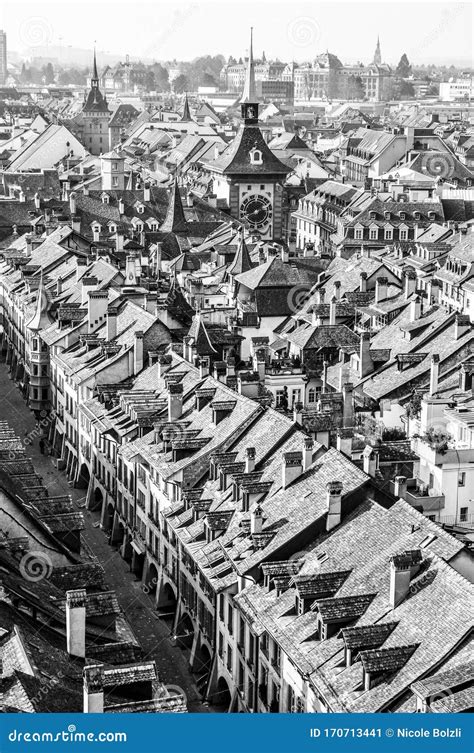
(415, 309)
(189, 199)
(347, 390)
(175, 401)
(381, 284)
(285, 255)
(119, 240)
(363, 282)
(72, 203)
(465, 378)
(337, 290)
(400, 487)
(138, 353)
(365, 359)
(81, 266)
(204, 365)
(249, 459)
(146, 192)
(158, 257)
(334, 497)
(121, 206)
(29, 243)
(97, 308)
(332, 311)
(399, 579)
(111, 323)
(212, 200)
(37, 201)
(76, 223)
(320, 295)
(76, 622)
(256, 520)
(461, 325)
(308, 446)
(292, 467)
(434, 374)
(93, 676)
(410, 284)
(21, 196)
(371, 461)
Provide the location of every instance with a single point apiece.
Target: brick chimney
(204, 365)
(410, 284)
(415, 309)
(138, 353)
(93, 677)
(332, 311)
(434, 374)
(76, 622)
(363, 282)
(72, 203)
(308, 446)
(399, 580)
(256, 520)
(400, 487)
(366, 364)
(334, 497)
(347, 405)
(112, 314)
(292, 467)
(97, 308)
(175, 401)
(249, 459)
(381, 285)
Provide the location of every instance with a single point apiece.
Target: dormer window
(105, 198)
(402, 215)
(256, 157)
(113, 228)
(373, 233)
(140, 208)
(388, 233)
(387, 215)
(358, 233)
(96, 229)
(403, 233)
(416, 215)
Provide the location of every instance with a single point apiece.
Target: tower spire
(378, 55)
(249, 101)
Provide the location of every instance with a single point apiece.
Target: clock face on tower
(256, 209)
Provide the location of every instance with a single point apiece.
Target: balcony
(440, 452)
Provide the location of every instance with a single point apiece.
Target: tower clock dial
(256, 210)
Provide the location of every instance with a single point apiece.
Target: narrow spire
(249, 101)
(175, 220)
(378, 55)
(95, 75)
(241, 261)
(186, 116)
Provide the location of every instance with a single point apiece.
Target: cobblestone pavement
(152, 633)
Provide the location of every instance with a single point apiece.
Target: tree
(407, 90)
(48, 74)
(208, 80)
(161, 77)
(404, 67)
(180, 84)
(150, 81)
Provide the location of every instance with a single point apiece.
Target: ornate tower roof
(95, 101)
(175, 221)
(41, 318)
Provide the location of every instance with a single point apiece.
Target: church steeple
(378, 55)
(95, 75)
(186, 116)
(175, 220)
(249, 101)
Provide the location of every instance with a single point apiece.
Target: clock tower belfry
(247, 174)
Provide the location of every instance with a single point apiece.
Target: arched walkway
(222, 697)
(84, 477)
(151, 583)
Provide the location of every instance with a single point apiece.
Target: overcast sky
(426, 31)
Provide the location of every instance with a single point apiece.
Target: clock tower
(247, 174)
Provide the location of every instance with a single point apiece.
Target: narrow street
(152, 633)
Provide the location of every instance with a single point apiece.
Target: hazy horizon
(438, 33)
